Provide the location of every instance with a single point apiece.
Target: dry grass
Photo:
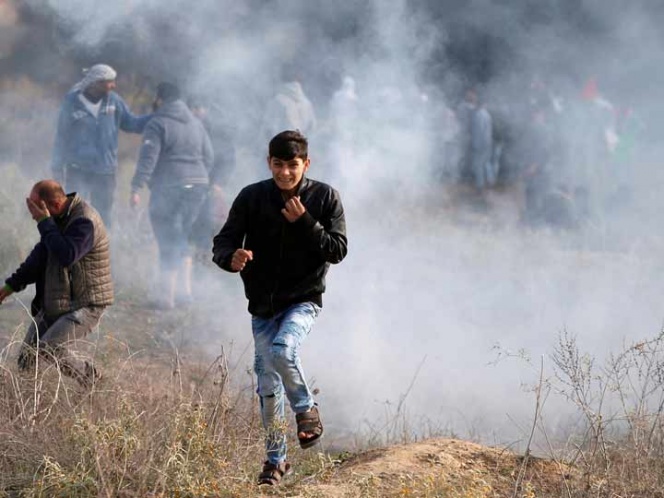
(165, 423)
(175, 423)
(155, 426)
(620, 450)
(158, 424)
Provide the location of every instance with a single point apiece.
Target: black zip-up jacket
(290, 260)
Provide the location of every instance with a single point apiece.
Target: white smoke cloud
(425, 285)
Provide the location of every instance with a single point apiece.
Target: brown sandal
(272, 473)
(309, 422)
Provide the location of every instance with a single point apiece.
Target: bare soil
(435, 467)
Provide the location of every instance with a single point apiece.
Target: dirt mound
(440, 467)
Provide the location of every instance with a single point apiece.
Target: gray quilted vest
(87, 282)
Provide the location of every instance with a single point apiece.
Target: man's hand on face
(135, 200)
(294, 209)
(38, 210)
(240, 258)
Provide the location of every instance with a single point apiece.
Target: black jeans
(173, 211)
(96, 188)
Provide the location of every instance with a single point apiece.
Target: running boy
(281, 235)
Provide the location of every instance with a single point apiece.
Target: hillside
(172, 422)
(436, 467)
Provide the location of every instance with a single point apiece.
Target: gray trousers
(53, 337)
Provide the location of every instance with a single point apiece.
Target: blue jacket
(88, 143)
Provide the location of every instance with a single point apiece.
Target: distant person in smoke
(85, 152)
(535, 151)
(176, 161)
(289, 109)
(593, 141)
(282, 234)
(343, 131)
(481, 133)
(448, 139)
(464, 115)
(70, 267)
(631, 130)
(221, 136)
(215, 209)
(476, 142)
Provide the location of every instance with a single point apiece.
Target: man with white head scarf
(97, 73)
(85, 152)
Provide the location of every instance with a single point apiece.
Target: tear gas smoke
(427, 290)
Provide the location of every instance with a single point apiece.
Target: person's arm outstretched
(130, 122)
(28, 273)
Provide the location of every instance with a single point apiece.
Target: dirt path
(433, 468)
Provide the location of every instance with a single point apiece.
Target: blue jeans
(278, 370)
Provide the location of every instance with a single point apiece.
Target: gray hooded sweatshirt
(176, 150)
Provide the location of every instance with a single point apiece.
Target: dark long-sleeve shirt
(67, 246)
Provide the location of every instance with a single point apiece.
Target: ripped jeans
(278, 370)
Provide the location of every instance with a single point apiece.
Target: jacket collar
(72, 199)
(75, 100)
(304, 183)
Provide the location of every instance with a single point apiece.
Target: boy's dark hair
(168, 92)
(288, 145)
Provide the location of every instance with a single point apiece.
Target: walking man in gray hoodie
(175, 161)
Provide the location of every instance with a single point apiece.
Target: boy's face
(287, 173)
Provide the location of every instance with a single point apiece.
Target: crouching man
(70, 267)
(281, 235)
